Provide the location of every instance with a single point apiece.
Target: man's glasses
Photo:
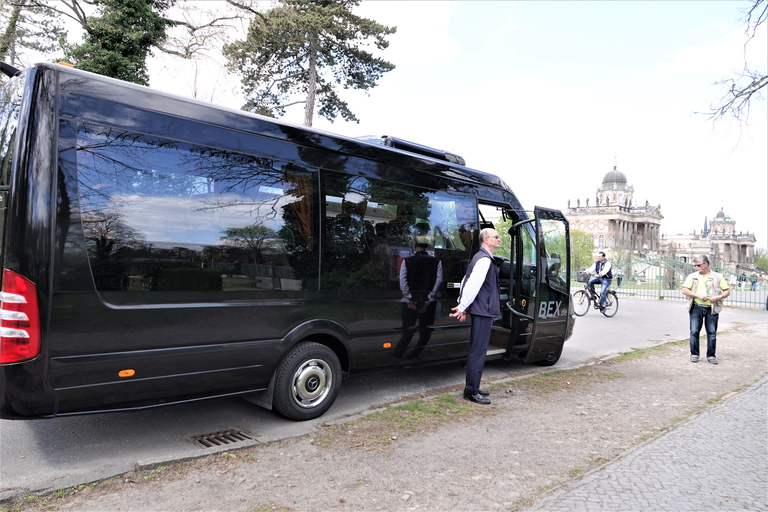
(699, 265)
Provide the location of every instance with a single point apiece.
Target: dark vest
(599, 267)
(421, 274)
(487, 301)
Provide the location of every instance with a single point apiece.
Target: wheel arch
(325, 332)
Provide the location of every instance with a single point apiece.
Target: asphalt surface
(716, 460)
(45, 455)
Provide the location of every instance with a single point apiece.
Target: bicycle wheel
(611, 304)
(580, 303)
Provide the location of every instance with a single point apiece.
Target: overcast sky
(547, 94)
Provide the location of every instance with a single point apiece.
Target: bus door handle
(519, 314)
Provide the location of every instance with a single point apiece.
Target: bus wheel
(307, 381)
(551, 360)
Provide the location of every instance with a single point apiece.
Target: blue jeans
(604, 284)
(701, 315)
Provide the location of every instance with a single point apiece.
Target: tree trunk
(309, 110)
(8, 42)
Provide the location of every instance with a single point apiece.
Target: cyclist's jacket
(601, 268)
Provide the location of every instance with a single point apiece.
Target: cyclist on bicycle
(603, 275)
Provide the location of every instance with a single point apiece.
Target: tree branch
(736, 101)
(290, 104)
(75, 12)
(246, 7)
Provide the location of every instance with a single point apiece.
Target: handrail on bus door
(515, 312)
(517, 225)
(519, 314)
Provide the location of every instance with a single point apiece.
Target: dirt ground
(539, 432)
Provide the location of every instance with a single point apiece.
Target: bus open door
(537, 309)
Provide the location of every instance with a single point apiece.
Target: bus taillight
(19, 319)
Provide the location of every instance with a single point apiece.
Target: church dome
(614, 178)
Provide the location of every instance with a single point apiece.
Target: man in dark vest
(420, 278)
(479, 296)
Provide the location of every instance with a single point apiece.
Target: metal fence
(661, 278)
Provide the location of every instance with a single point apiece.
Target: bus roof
(394, 151)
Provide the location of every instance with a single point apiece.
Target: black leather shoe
(476, 398)
(481, 392)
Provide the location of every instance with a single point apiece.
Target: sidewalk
(717, 460)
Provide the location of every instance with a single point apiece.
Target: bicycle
(583, 298)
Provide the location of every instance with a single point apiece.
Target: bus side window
(162, 216)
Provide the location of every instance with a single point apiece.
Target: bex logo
(552, 309)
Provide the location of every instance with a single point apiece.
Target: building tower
(614, 221)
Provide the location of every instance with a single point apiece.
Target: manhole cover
(221, 438)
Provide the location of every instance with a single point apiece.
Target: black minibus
(157, 249)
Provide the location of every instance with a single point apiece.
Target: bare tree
(201, 26)
(750, 82)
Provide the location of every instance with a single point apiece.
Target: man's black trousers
(479, 334)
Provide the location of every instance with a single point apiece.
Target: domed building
(614, 220)
(726, 248)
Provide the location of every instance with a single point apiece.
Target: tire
(551, 361)
(307, 381)
(580, 303)
(611, 304)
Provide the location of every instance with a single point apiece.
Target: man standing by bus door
(479, 296)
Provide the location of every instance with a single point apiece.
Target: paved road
(717, 460)
(57, 453)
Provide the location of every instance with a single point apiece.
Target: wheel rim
(612, 306)
(312, 383)
(580, 303)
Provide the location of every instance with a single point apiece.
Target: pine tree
(302, 51)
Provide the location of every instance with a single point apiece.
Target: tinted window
(555, 252)
(371, 225)
(166, 216)
(10, 101)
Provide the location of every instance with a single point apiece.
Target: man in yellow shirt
(707, 290)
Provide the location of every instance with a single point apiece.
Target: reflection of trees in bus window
(10, 101)
(199, 218)
(529, 263)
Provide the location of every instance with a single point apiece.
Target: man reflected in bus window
(479, 296)
(420, 278)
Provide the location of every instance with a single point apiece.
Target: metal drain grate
(221, 438)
